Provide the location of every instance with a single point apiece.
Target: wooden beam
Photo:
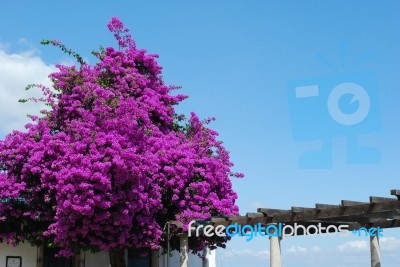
(301, 209)
(350, 219)
(255, 218)
(252, 215)
(274, 212)
(219, 221)
(319, 206)
(385, 224)
(346, 203)
(373, 199)
(395, 192)
(237, 219)
(360, 209)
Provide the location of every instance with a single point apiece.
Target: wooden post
(76, 260)
(154, 258)
(275, 251)
(184, 261)
(82, 259)
(117, 257)
(39, 259)
(375, 253)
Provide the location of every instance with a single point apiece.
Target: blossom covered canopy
(111, 162)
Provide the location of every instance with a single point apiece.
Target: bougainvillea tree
(110, 161)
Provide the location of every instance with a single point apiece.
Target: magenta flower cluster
(111, 162)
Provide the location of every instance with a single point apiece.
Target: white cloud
(261, 254)
(300, 249)
(16, 72)
(315, 249)
(389, 244)
(31, 49)
(354, 246)
(296, 249)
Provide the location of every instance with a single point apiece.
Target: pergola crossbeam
(373, 199)
(325, 206)
(395, 192)
(273, 212)
(346, 203)
(380, 212)
(301, 209)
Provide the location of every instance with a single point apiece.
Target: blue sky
(241, 63)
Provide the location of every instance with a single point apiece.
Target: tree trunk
(117, 257)
(154, 258)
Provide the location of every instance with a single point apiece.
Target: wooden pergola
(380, 212)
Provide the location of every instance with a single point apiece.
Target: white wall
(101, 259)
(26, 251)
(194, 260)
